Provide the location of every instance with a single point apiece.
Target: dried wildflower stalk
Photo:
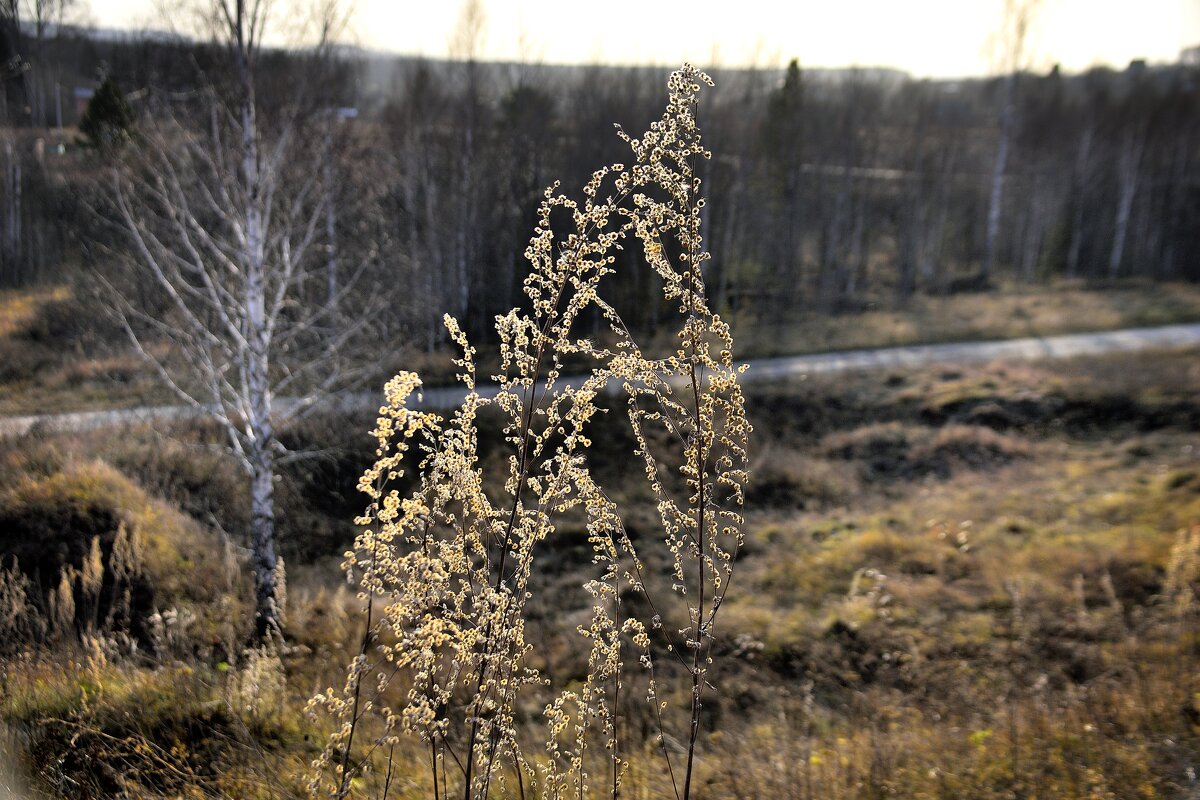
(445, 571)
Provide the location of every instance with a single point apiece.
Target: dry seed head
(448, 566)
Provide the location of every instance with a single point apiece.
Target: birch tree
(1010, 53)
(225, 223)
(1128, 167)
(47, 17)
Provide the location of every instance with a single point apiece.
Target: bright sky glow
(935, 38)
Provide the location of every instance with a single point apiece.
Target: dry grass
(130, 563)
(56, 353)
(985, 617)
(1001, 314)
(19, 308)
(99, 730)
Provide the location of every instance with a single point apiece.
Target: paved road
(765, 369)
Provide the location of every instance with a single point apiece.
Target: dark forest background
(831, 190)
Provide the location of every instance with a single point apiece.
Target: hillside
(960, 581)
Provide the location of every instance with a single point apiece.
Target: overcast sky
(936, 38)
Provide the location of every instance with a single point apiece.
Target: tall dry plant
(20, 623)
(446, 570)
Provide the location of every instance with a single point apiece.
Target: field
(59, 353)
(960, 582)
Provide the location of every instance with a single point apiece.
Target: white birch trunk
(1131, 157)
(1081, 170)
(268, 616)
(331, 254)
(13, 216)
(996, 197)
(259, 430)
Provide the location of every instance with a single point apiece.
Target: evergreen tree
(108, 120)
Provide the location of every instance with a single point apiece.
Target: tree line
(837, 189)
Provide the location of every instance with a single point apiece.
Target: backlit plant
(446, 567)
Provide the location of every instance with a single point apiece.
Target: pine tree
(108, 120)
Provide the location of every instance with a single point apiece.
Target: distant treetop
(108, 120)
